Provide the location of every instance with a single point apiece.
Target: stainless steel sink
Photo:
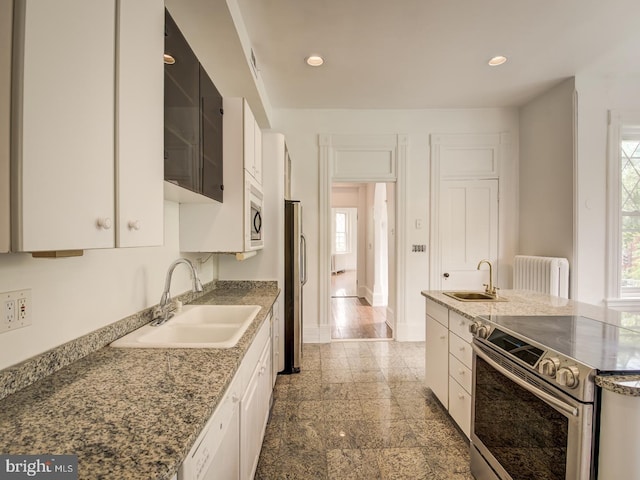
(471, 296)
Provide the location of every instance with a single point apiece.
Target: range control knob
(483, 331)
(549, 366)
(568, 376)
(473, 327)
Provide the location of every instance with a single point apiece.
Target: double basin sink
(195, 326)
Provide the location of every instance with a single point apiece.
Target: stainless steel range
(535, 402)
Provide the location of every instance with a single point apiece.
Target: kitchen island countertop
(130, 413)
(523, 302)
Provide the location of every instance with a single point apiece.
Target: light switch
(418, 223)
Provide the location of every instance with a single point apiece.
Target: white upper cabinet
(74, 149)
(251, 136)
(227, 227)
(140, 135)
(6, 16)
(64, 105)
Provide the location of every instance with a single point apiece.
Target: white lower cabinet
(437, 356)
(275, 343)
(254, 414)
(229, 446)
(449, 358)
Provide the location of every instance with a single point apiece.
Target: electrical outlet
(9, 311)
(16, 310)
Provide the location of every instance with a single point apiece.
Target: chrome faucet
(490, 289)
(164, 312)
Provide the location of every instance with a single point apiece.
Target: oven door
(524, 428)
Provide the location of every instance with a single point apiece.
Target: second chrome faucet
(163, 312)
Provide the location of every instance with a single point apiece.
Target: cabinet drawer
(460, 406)
(460, 326)
(460, 372)
(461, 349)
(438, 312)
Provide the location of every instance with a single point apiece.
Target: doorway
(344, 248)
(361, 233)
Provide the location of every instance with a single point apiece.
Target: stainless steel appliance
(535, 404)
(254, 201)
(295, 276)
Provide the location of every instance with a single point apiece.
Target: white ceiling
(434, 53)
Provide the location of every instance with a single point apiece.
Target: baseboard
(390, 319)
(316, 334)
(410, 332)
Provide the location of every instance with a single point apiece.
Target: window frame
(622, 124)
(347, 232)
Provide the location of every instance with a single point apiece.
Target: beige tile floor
(358, 410)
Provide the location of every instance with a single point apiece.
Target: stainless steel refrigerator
(295, 276)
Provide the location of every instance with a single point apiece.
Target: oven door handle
(565, 407)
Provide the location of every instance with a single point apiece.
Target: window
(341, 232)
(623, 272)
(630, 213)
(343, 228)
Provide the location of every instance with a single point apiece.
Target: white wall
(596, 96)
(301, 128)
(546, 174)
(74, 296)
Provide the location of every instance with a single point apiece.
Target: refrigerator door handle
(303, 248)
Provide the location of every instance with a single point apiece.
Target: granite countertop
(130, 413)
(627, 385)
(523, 302)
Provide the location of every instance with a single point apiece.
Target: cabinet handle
(104, 223)
(235, 398)
(462, 349)
(442, 337)
(461, 396)
(461, 372)
(134, 224)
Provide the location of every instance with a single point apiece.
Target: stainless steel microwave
(253, 201)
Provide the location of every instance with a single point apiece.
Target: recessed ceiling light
(495, 61)
(314, 60)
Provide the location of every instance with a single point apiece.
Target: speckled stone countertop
(130, 413)
(523, 302)
(628, 385)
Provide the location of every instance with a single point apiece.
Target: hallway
(352, 318)
(359, 410)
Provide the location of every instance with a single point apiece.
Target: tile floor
(358, 410)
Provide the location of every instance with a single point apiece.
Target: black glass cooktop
(596, 344)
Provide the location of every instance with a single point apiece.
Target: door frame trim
(329, 145)
(497, 142)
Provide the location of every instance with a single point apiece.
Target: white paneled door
(468, 232)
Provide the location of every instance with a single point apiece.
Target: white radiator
(541, 274)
